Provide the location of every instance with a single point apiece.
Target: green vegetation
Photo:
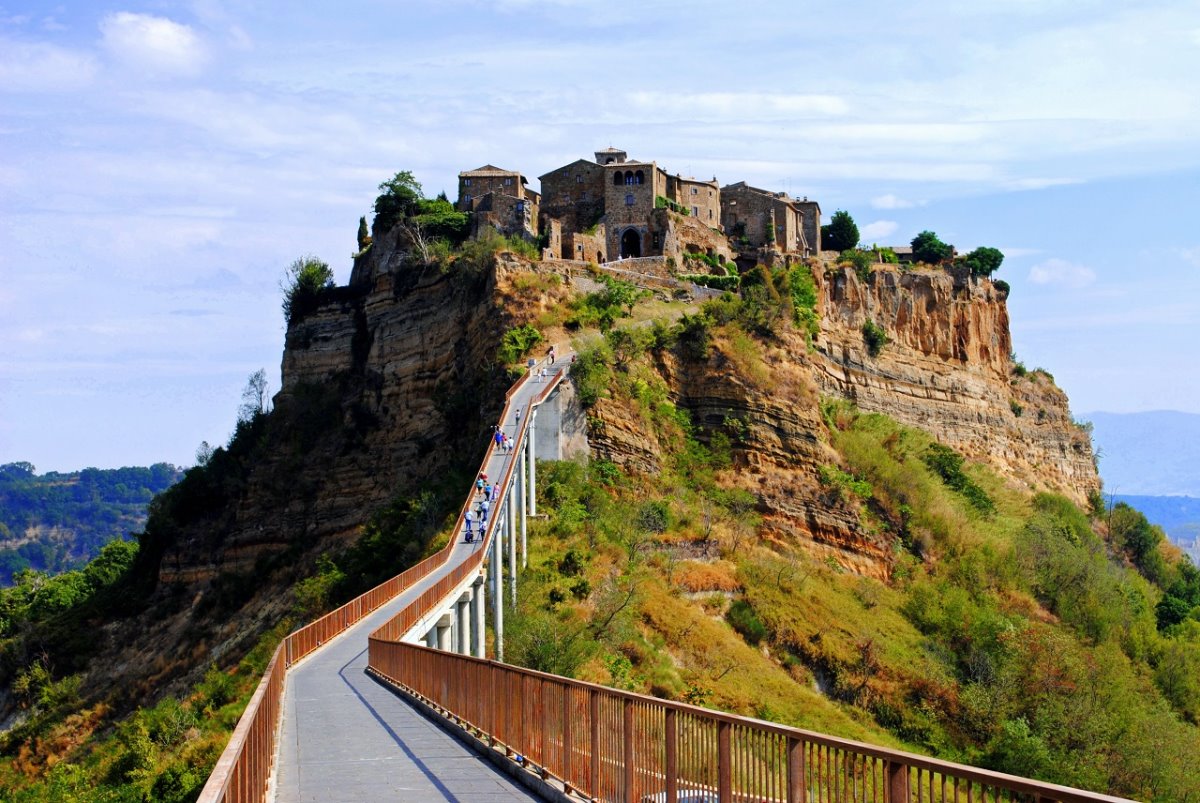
(517, 342)
(93, 506)
(666, 203)
(875, 337)
(983, 261)
(840, 234)
(862, 261)
(602, 308)
(398, 199)
(948, 464)
(928, 248)
(303, 284)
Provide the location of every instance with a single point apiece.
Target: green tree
(928, 248)
(364, 234)
(841, 234)
(398, 199)
(302, 284)
(983, 261)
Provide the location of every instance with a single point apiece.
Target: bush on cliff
(841, 233)
(303, 283)
(928, 248)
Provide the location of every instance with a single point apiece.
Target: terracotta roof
(489, 170)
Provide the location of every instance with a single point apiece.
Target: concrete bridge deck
(345, 737)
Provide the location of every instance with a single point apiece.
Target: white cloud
(42, 67)
(891, 201)
(1039, 183)
(1061, 272)
(1191, 255)
(153, 43)
(878, 230)
(748, 105)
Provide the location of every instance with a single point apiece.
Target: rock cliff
(947, 370)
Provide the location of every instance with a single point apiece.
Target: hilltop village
(616, 208)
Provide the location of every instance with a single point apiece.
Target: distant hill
(1179, 516)
(58, 521)
(1154, 453)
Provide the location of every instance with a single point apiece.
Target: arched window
(639, 177)
(617, 178)
(629, 200)
(628, 177)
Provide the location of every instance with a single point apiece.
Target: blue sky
(162, 162)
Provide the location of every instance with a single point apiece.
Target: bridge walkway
(346, 738)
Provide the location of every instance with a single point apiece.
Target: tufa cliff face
(946, 370)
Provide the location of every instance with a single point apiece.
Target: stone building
(614, 207)
(759, 218)
(498, 198)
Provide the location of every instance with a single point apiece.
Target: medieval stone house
(614, 207)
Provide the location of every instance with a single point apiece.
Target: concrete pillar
(497, 568)
(444, 629)
(431, 637)
(521, 499)
(512, 567)
(478, 640)
(532, 463)
(462, 625)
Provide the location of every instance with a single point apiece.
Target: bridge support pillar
(462, 625)
(478, 640)
(521, 495)
(444, 630)
(431, 638)
(532, 449)
(497, 569)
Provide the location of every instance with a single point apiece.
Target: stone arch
(631, 243)
(639, 177)
(618, 179)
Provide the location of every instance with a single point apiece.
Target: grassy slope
(1014, 637)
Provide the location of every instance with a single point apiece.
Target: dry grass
(693, 576)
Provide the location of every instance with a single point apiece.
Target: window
(618, 179)
(710, 214)
(695, 211)
(467, 182)
(508, 182)
(579, 179)
(639, 177)
(579, 248)
(629, 200)
(694, 190)
(630, 180)
(654, 239)
(520, 206)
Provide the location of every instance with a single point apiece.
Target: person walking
(484, 506)
(470, 521)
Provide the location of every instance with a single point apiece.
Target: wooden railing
(614, 745)
(244, 768)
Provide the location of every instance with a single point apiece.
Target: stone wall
(701, 198)
(574, 194)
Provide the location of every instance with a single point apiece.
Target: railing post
(671, 736)
(628, 760)
(897, 782)
(724, 763)
(797, 790)
(568, 746)
(532, 465)
(594, 713)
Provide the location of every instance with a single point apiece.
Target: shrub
(302, 285)
(517, 342)
(862, 261)
(744, 620)
(947, 464)
(874, 337)
(592, 373)
(729, 283)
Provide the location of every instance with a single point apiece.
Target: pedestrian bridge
(361, 704)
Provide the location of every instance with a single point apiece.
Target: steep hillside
(745, 537)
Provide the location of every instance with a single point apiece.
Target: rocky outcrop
(947, 369)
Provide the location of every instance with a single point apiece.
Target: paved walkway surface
(345, 738)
